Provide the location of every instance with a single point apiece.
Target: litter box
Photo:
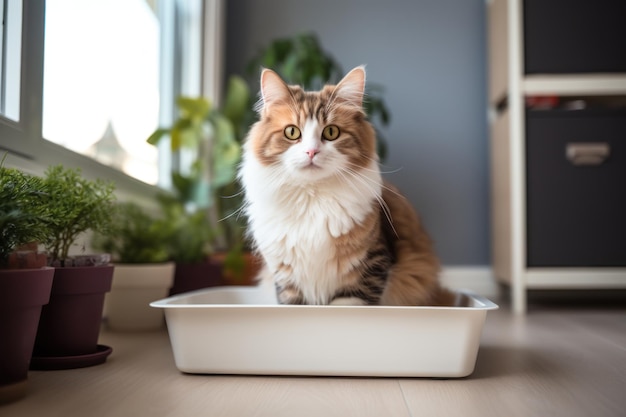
(242, 330)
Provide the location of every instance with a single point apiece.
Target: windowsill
(49, 154)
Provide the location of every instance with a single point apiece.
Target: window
(101, 81)
(10, 54)
(107, 77)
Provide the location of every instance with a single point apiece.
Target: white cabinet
(510, 85)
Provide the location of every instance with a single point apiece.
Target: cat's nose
(312, 153)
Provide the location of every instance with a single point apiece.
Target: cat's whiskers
(368, 183)
(237, 212)
(390, 189)
(374, 170)
(363, 178)
(274, 178)
(240, 192)
(350, 183)
(294, 104)
(331, 102)
(386, 211)
(366, 178)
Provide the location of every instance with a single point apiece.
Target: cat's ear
(352, 87)
(273, 89)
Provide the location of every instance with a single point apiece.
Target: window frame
(23, 140)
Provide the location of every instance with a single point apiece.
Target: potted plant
(190, 247)
(70, 323)
(210, 236)
(138, 244)
(25, 281)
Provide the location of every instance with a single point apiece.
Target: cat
(328, 229)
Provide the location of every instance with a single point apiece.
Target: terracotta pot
(27, 259)
(135, 286)
(252, 266)
(22, 293)
(190, 277)
(70, 323)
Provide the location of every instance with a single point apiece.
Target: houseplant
(213, 136)
(138, 244)
(70, 323)
(190, 246)
(23, 291)
(301, 60)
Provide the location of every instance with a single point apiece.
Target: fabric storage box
(576, 188)
(241, 330)
(574, 36)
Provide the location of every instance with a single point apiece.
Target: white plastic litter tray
(242, 330)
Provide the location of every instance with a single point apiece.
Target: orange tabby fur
(413, 278)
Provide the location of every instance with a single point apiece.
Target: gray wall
(430, 56)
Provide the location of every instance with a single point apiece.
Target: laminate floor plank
(555, 361)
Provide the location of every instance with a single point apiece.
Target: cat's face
(311, 136)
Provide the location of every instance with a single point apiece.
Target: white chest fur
(294, 225)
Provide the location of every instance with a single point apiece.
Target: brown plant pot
(252, 266)
(22, 293)
(190, 277)
(70, 324)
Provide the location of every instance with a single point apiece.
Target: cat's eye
(292, 132)
(330, 132)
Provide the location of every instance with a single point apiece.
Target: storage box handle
(587, 153)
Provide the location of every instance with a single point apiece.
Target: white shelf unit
(508, 86)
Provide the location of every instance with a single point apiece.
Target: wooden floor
(560, 359)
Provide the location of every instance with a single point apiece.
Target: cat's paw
(347, 301)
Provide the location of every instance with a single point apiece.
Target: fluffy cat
(327, 227)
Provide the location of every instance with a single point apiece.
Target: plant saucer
(51, 363)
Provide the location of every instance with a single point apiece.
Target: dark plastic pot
(195, 276)
(22, 294)
(70, 323)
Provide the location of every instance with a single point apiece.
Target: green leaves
(52, 210)
(192, 234)
(136, 236)
(237, 105)
(21, 215)
(187, 131)
(72, 205)
(157, 135)
(299, 60)
(194, 109)
(226, 152)
(214, 135)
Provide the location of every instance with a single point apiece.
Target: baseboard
(478, 279)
